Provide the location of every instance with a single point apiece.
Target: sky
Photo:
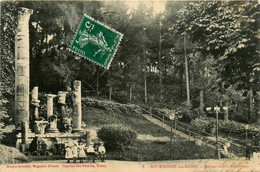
(158, 5)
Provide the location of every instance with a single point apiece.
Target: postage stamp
(96, 41)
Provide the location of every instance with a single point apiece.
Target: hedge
(116, 137)
(207, 124)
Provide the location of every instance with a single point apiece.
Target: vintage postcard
(135, 85)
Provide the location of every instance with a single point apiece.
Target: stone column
(49, 105)
(62, 102)
(35, 102)
(22, 68)
(77, 111)
(50, 117)
(66, 119)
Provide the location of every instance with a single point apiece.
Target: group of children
(77, 150)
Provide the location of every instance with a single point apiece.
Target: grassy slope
(94, 117)
(142, 150)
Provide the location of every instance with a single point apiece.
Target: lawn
(94, 117)
(143, 149)
(156, 151)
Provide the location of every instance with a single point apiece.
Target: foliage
(203, 124)
(222, 48)
(9, 136)
(116, 137)
(8, 25)
(224, 57)
(228, 127)
(8, 30)
(228, 31)
(4, 115)
(126, 109)
(154, 151)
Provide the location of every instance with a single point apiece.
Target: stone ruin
(45, 129)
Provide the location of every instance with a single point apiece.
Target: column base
(52, 130)
(19, 130)
(77, 130)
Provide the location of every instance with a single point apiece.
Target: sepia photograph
(134, 85)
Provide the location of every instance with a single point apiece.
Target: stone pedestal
(25, 128)
(35, 102)
(67, 124)
(22, 68)
(77, 111)
(40, 127)
(52, 124)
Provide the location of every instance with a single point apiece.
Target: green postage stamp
(96, 42)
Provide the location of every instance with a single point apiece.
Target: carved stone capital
(62, 97)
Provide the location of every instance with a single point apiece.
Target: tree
(228, 32)
(8, 24)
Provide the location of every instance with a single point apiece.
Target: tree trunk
(130, 92)
(145, 88)
(251, 105)
(258, 108)
(187, 74)
(165, 67)
(201, 100)
(181, 78)
(160, 57)
(144, 65)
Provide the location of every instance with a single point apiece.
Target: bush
(204, 125)
(125, 109)
(207, 124)
(116, 137)
(9, 138)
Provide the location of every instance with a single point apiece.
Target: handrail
(180, 126)
(187, 130)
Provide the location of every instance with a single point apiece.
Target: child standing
(81, 151)
(69, 154)
(75, 150)
(102, 151)
(91, 151)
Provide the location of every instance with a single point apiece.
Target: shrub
(3, 115)
(126, 109)
(204, 125)
(9, 137)
(230, 127)
(116, 137)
